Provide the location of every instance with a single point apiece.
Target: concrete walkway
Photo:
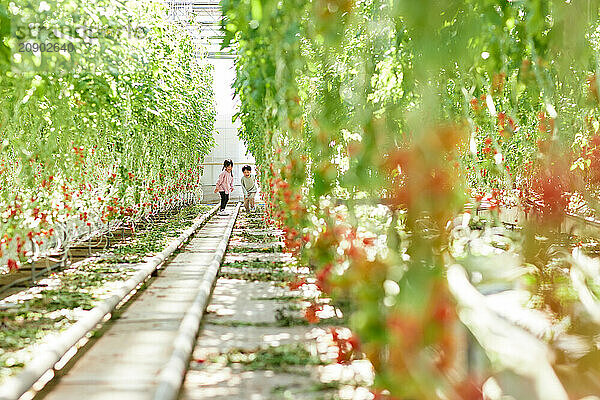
(126, 361)
(245, 317)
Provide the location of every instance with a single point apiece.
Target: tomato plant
(114, 129)
(419, 107)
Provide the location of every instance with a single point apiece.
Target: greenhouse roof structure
(203, 19)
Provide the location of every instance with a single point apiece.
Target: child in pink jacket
(225, 185)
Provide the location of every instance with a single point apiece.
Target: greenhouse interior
(299, 199)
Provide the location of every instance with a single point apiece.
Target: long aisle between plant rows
(126, 362)
(266, 333)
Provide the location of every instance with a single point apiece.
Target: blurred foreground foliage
(375, 122)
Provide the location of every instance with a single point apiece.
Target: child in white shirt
(249, 188)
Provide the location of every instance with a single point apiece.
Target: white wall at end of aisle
(227, 143)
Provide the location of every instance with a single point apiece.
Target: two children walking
(224, 186)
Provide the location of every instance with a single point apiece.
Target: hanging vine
(374, 123)
(110, 119)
